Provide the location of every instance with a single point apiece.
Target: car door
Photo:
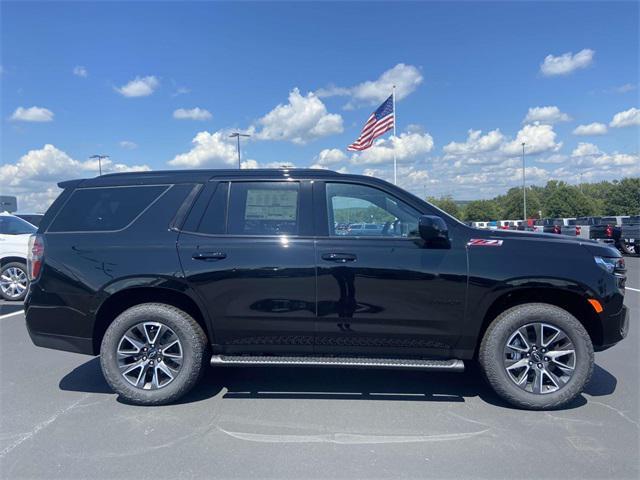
(383, 294)
(250, 256)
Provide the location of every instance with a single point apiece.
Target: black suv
(163, 272)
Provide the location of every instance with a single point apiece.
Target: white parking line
(11, 314)
(633, 289)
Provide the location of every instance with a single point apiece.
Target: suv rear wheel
(537, 356)
(153, 354)
(14, 281)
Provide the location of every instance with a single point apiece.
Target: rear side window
(104, 209)
(264, 208)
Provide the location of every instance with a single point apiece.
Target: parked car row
(620, 231)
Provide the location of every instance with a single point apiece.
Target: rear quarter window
(104, 208)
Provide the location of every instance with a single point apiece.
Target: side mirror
(433, 230)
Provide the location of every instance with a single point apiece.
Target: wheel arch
(12, 259)
(125, 298)
(573, 302)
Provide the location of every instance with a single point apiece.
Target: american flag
(379, 122)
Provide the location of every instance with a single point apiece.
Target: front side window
(367, 211)
(264, 208)
(15, 226)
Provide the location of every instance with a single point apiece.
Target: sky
(161, 85)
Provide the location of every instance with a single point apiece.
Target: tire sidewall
(492, 355)
(192, 353)
(22, 267)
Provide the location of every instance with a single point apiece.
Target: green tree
(447, 204)
(511, 204)
(623, 198)
(481, 210)
(598, 193)
(562, 200)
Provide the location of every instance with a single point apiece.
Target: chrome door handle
(339, 257)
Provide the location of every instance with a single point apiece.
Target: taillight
(578, 230)
(609, 231)
(35, 256)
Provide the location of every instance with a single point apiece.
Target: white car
(14, 244)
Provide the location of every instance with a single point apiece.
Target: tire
(14, 281)
(154, 387)
(523, 318)
(629, 247)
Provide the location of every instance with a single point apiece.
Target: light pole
(237, 135)
(524, 188)
(100, 158)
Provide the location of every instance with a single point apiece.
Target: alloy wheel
(150, 355)
(539, 358)
(13, 282)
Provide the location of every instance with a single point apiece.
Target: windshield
(10, 225)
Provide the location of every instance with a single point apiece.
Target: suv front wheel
(537, 356)
(153, 354)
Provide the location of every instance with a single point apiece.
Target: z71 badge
(483, 242)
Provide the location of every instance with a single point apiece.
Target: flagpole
(395, 163)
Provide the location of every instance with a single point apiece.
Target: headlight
(611, 264)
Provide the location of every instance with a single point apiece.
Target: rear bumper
(614, 328)
(62, 342)
(53, 324)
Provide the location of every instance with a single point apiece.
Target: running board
(349, 362)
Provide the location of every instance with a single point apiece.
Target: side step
(349, 362)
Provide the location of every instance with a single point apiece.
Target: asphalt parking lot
(61, 420)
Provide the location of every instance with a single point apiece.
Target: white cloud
(128, 144)
(589, 157)
(329, 156)
(408, 146)
(626, 88)
(550, 114)
(302, 119)
(139, 87)
(80, 71)
(406, 78)
(249, 164)
(584, 149)
(32, 114)
(476, 143)
(491, 148)
(33, 178)
(192, 114)
(594, 128)
(209, 150)
(554, 158)
(538, 138)
(180, 91)
(628, 118)
(566, 63)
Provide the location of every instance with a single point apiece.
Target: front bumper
(614, 328)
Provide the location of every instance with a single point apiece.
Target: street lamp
(524, 188)
(237, 135)
(100, 158)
